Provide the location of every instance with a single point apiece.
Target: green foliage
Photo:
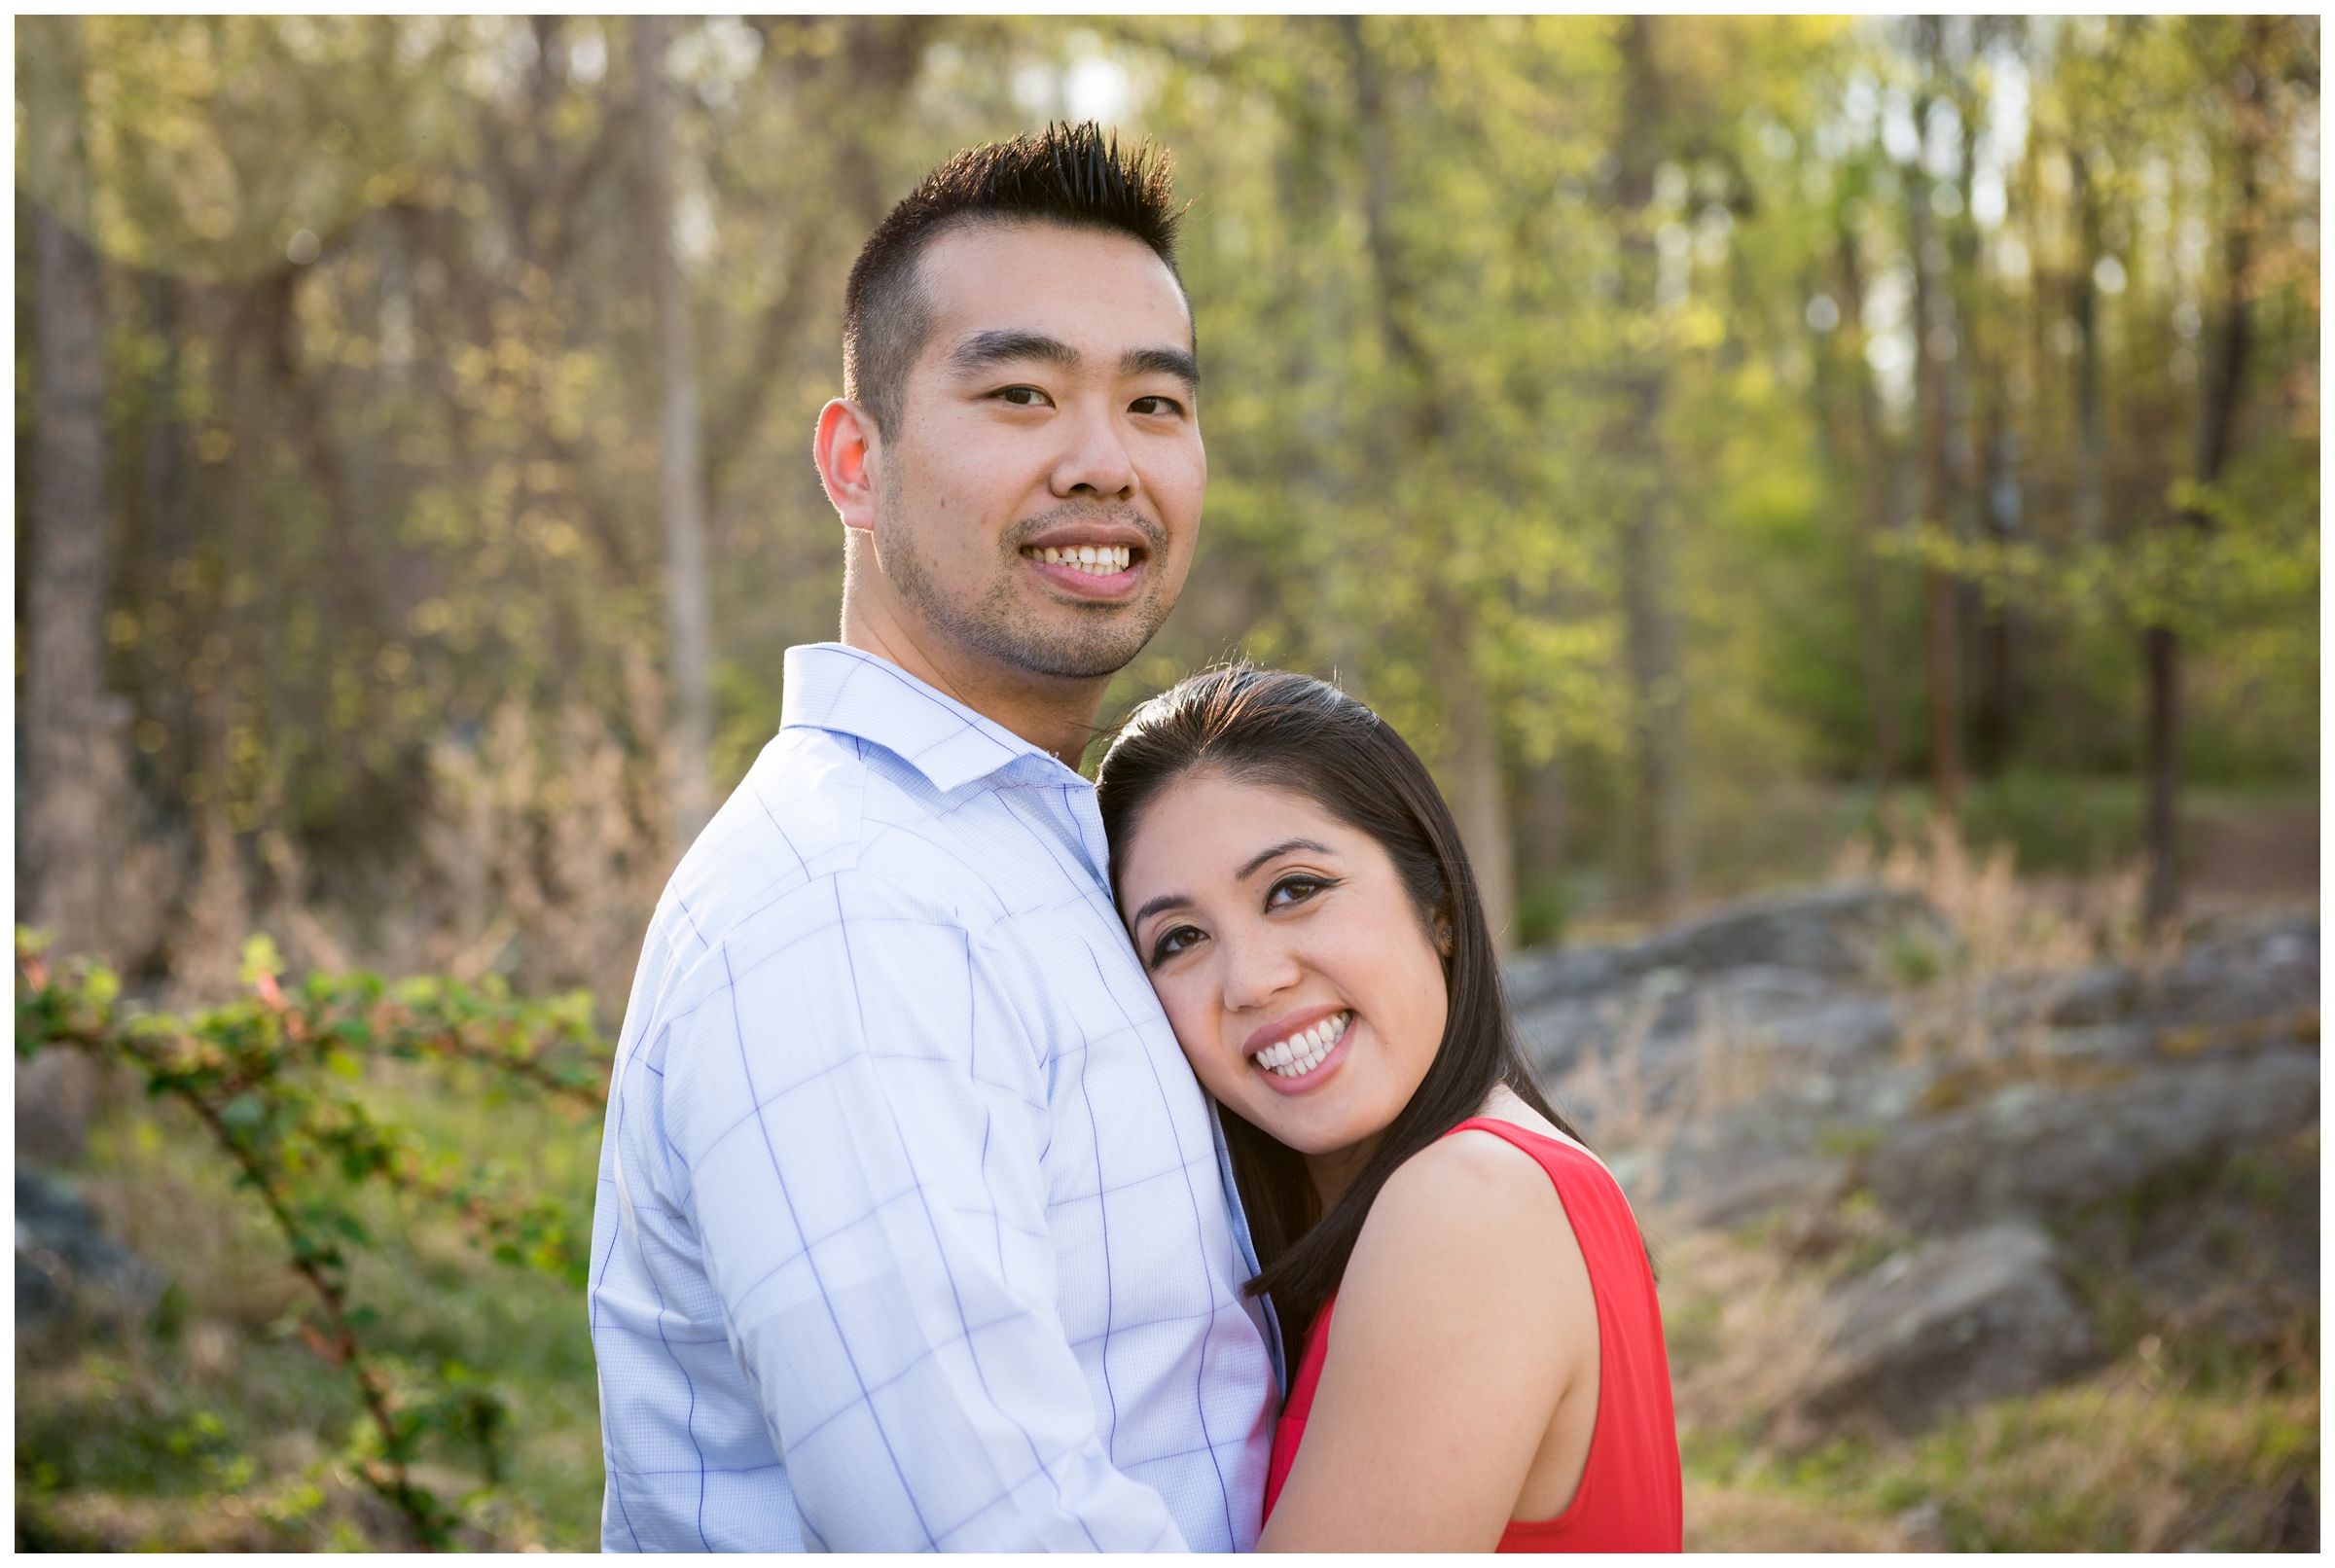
(381, 372)
(277, 1078)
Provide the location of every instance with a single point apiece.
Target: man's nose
(1256, 970)
(1097, 462)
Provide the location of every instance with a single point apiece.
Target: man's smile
(1097, 558)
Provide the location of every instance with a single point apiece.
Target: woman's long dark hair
(1293, 732)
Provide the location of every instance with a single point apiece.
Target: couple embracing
(1000, 1161)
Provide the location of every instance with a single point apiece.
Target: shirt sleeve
(862, 1117)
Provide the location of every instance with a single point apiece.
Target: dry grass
(1721, 1519)
(2144, 1455)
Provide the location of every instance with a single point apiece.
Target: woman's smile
(1304, 1059)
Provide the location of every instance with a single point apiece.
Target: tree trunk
(680, 468)
(1984, 454)
(2217, 428)
(2091, 416)
(2161, 663)
(1658, 697)
(1875, 469)
(1942, 593)
(1479, 800)
(66, 721)
(1471, 749)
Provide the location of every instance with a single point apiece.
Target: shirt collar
(852, 692)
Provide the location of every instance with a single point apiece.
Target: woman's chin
(1310, 1134)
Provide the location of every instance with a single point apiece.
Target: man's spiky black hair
(1072, 175)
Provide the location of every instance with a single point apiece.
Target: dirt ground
(2267, 856)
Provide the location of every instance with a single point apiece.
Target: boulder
(2036, 1147)
(1729, 1169)
(1958, 1321)
(2265, 970)
(1656, 1026)
(67, 1268)
(1840, 934)
(2092, 997)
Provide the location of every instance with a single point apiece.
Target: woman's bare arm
(1464, 1317)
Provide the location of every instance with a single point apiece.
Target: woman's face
(1289, 957)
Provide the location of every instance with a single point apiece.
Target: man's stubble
(1094, 641)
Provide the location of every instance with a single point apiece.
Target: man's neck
(1055, 715)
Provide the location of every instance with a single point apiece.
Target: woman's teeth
(1301, 1053)
(1096, 560)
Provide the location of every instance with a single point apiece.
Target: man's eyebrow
(1001, 344)
(1282, 849)
(1173, 362)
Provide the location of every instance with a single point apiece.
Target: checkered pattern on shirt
(913, 1227)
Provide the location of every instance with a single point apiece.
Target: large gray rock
(2092, 997)
(1842, 934)
(2037, 1147)
(1663, 1028)
(1786, 983)
(2262, 971)
(1973, 1317)
(67, 1268)
(2258, 969)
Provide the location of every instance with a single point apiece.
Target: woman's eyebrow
(1281, 848)
(1166, 900)
(1178, 901)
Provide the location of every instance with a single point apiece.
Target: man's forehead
(1050, 279)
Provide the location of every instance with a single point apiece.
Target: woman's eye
(1157, 406)
(1297, 889)
(1021, 396)
(1173, 940)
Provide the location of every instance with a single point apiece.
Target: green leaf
(261, 957)
(102, 985)
(246, 1113)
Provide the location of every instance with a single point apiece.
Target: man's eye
(1021, 396)
(1173, 940)
(1168, 406)
(1297, 888)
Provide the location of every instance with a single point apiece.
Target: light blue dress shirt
(914, 1228)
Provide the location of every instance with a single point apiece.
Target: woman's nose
(1255, 970)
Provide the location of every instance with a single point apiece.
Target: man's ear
(846, 447)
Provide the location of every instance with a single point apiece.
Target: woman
(1294, 888)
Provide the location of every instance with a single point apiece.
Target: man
(912, 1226)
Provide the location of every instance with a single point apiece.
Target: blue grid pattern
(914, 1228)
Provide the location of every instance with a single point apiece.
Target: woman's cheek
(1195, 1042)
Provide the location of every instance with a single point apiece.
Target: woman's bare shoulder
(1458, 1209)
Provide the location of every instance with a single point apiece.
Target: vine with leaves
(275, 1078)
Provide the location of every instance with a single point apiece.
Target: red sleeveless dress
(1629, 1495)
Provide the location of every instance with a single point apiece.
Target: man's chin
(1089, 654)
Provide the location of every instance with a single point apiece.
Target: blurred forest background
(1734, 451)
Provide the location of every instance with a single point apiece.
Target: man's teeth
(1096, 560)
(1301, 1053)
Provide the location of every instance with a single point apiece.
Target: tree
(70, 738)
(1935, 348)
(2241, 77)
(1658, 694)
(680, 468)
